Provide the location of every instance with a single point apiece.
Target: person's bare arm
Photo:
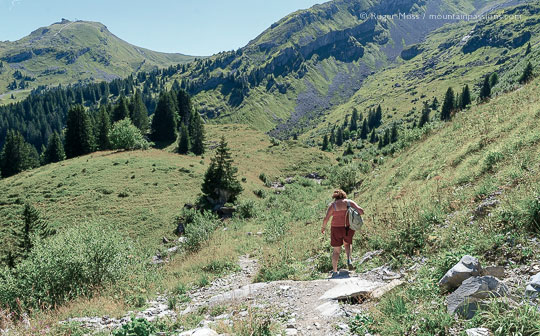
(329, 214)
(354, 205)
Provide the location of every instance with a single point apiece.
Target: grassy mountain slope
(418, 203)
(451, 56)
(140, 192)
(72, 52)
(311, 61)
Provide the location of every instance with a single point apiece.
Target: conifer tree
(380, 145)
(493, 79)
(183, 140)
(325, 143)
(448, 105)
(485, 92)
(17, 155)
(373, 137)
(527, 74)
(139, 113)
(349, 150)
(354, 121)
(394, 133)
(103, 128)
(528, 50)
(32, 225)
(185, 107)
(220, 182)
(435, 104)
(339, 137)
(365, 130)
(121, 110)
(55, 150)
(164, 122)
(197, 134)
(333, 137)
(424, 118)
(465, 98)
(79, 138)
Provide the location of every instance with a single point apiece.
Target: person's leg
(335, 257)
(348, 248)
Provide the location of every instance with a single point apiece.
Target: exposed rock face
(466, 300)
(467, 267)
(411, 52)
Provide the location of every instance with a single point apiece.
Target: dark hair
(339, 194)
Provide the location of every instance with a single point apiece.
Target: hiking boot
(334, 275)
(350, 265)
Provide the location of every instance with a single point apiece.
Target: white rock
(350, 287)
(199, 332)
(467, 267)
(478, 332)
(291, 332)
(329, 309)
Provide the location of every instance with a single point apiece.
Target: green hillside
(310, 62)
(73, 52)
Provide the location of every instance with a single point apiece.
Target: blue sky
(195, 27)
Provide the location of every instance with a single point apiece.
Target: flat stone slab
(330, 309)
(351, 287)
(239, 293)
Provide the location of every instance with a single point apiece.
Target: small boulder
(467, 298)
(494, 271)
(533, 287)
(478, 332)
(467, 267)
(199, 332)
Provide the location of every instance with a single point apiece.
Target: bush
(124, 135)
(137, 327)
(68, 265)
(246, 209)
(199, 226)
(345, 177)
(261, 193)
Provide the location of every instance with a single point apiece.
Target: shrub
(137, 327)
(199, 226)
(124, 135)
(345, 177)
(246, 209)
(74, 263)
(360, 324)
(261, 193)
(263, 177)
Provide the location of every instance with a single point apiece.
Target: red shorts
(338, 235)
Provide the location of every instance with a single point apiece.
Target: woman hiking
(340, 233)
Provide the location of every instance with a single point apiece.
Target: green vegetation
(124, 135)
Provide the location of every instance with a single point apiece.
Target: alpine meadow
(149, 193)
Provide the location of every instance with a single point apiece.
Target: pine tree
(354, 121)
(79, 138)
(121, 110)
(164, 122)
(103, 127)
(325, 143)
(527, 74)
(183, 140)
(365, 130)
(465, 98)
(139, 113)
(197, 134)
(373, 137)
(394, 134)
(185, 107)
(435, 104)
(349, 150)
(378, 116)
(339, 137)
(424, 118)
(32, 228)
(17, 155)
(485, 92)
(55, 150)
(333, 137)
(528, 50)
(220, 182)
(380, 145)
(493, 79)
(448, 105)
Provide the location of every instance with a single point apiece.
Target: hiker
(340, 233)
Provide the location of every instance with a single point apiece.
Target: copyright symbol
(363, 15)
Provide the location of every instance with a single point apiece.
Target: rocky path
(318, 307)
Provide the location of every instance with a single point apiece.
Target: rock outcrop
(466, 300)
(467, 267)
